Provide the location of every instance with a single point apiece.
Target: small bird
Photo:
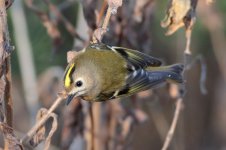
(101, 72)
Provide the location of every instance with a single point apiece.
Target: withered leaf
(179, 13)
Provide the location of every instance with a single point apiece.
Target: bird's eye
(78, 83)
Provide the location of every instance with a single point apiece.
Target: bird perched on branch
(101, 72)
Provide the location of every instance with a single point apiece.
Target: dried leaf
(180, 13)
(176, 15)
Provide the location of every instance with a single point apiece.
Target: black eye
(78, 83)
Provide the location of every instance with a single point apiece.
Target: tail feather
(175, 73)
(151, 77)
(172, 73)
(177, 68)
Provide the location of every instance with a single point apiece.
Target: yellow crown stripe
(67, 81)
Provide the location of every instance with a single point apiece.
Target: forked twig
(33, 130)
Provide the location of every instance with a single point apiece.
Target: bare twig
(41, 132)
(112, 9)
(69, 27)
(101, 13)
(53, 129)
(5, 68)
(6, 105)
(179, 106)
(49, 24)
(107, 18)
(99, 126)
(33, 130)
(203, 73)
(92, 126)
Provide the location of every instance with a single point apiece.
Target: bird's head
(79, 81)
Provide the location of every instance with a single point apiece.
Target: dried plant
(180, 13)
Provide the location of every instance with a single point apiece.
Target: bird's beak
(70, 98)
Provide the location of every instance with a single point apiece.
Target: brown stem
(69, 27)
(92, 126)
(99, 32)
(101, 13)
(171, 131)
(33, 130)
(107, 18)
(8, 98)
(5, 71)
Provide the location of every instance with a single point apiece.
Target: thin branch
(112, 9)
(52, 131)
(33, 130)
(92, 126)
(50, 25)
(179, 106)
(8, 98)
(5, 68)
(6, 104)
(107, 18)
(190, 63)
(101, 13)
(69, 27)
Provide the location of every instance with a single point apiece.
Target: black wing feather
(136, 58)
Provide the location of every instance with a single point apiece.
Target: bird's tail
(172, 73)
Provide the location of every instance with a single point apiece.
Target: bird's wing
(134, 58)
(137, 59)
(141, 80)
(137, 81)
